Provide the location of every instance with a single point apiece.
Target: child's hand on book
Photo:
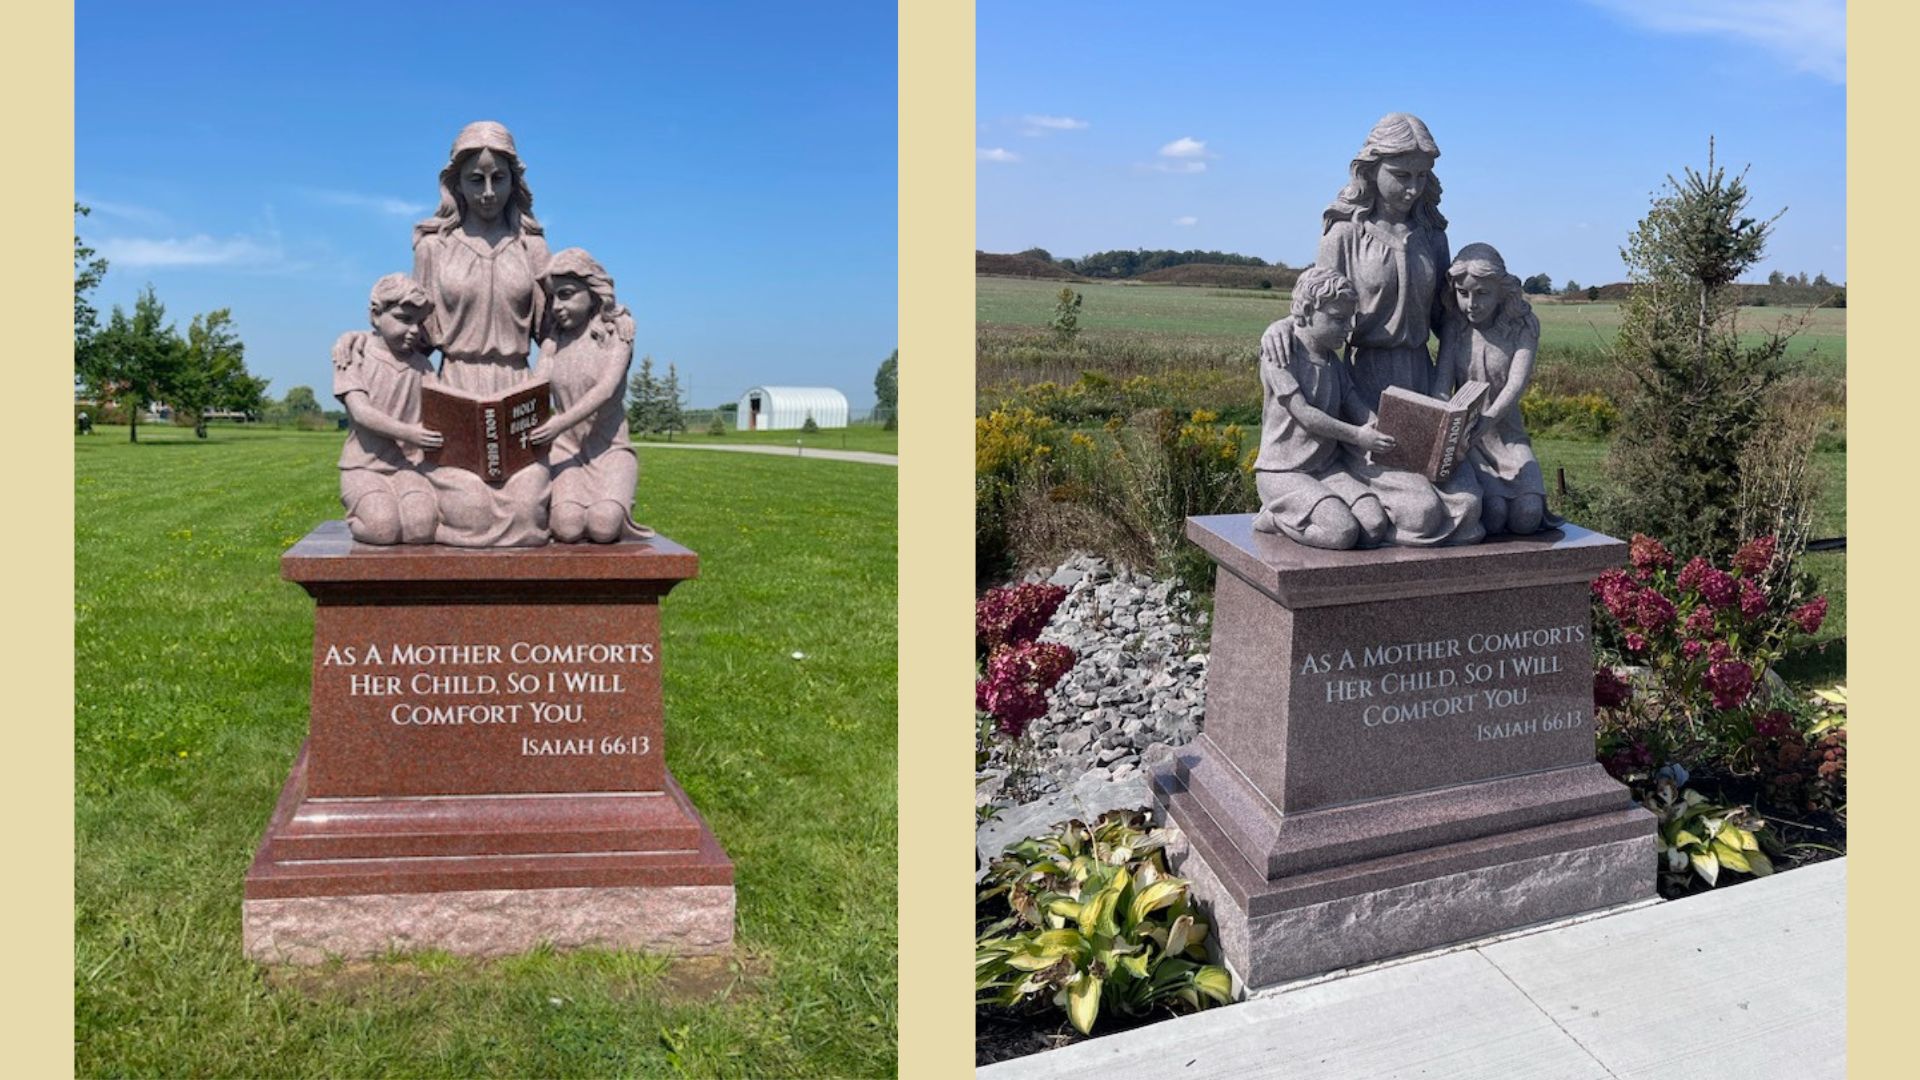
(425, 437)
(1373, 441)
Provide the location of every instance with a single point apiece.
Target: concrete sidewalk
(867, 456)
(1749, 982)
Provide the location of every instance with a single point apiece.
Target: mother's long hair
(1396, 133)
(475, 137)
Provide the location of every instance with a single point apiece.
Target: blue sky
(1230, 126)
(732, 165)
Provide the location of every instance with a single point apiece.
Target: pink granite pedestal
(484, 770)
(1398, 750)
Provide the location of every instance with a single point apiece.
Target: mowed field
(1228, 322)
(192, 663)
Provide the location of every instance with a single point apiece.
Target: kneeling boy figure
(1305, 492)
(377, 377)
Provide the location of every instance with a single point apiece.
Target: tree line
(140, 358)
(1125, 264)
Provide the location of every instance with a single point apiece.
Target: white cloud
(380, 203)
(1035, 124)
(122, 211)
(1810, 35)
(995, 153)
(1186, 146)
(1186, 220)
(196, 250)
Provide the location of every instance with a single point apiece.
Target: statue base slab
(484, 770)
(1398, 750)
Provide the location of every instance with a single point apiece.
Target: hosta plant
(1699, 839)
(1090, 918)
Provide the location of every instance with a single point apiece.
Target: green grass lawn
(870, 437)
(192, 665)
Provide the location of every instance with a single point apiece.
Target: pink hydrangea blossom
(1652, 611)
(1731, 683)
(1719, 589)
(1753, 599)
(1691, 574)
(1015, 614)
(1810, 615)
(1755, 556)
(1610, 691)
(1648, 554)
(1014, 689)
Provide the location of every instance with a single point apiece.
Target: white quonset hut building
(786, 408)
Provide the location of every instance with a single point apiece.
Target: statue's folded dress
(485, 304)
(594, 461)
(1398, 279)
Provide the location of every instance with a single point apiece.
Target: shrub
(810, 427)
(1065, 323)
(1703, 395)
(1091, 919)
(1013, 615)
(1706, 637)
(1009, 446)
(1586, 415)
(716, 426)
(1014, 689)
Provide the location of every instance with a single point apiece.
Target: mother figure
(1385, 234)
(481, 257)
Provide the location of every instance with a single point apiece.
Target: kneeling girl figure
(585, 355)
(377, 378)
(1494, 339)
(1305, 490)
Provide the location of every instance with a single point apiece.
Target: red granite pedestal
(1398, 751)
(484, 770)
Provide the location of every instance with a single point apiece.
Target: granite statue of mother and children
(1380, 287)
(483, 292)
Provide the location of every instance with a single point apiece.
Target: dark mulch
(1004, 1034)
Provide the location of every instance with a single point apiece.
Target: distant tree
(1572, 288)
(811, 427)
(1537, 285)
(1820, 282)
(1593, 292)
(716, 426)
(88, 270)
(300, 401)
(669, 415)
(135, 359)
(1037, 253)
(1702, 396)
(1776, 278)
(1066, 316)
(214, 371)
(886, 385)
(643, 397)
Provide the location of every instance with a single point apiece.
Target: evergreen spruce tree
(643, 398)
(669, 413)
(1701, 397)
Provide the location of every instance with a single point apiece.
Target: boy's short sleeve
(1279, 381)
(349, 368)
